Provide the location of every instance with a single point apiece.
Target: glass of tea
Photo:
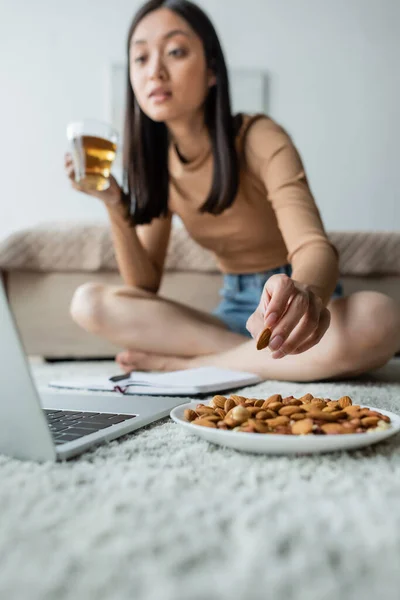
(93, 148)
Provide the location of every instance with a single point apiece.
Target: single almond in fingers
(264, 338)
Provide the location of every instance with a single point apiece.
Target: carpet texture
(162, 515)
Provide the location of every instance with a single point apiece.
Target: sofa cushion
(72, 247)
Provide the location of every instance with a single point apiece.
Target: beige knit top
(273, 219)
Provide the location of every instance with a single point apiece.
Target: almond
(288, 399)
(291, 401)
(352, 408)
(289, 410)
(354, 422)
(302, 427)
(347, 426)
(374, 413)
(318, 403)
(298, 416)
(273, 398)
(220, 412)
(204, 422)
(219, 401)
(229, 404)
(266, 414)
(384, 418)
(369, 421)
(364, 412)
(238, 399)
(213, 418)
(263, 339)
(204, 410)
(240, 414)
(253, 410)
(325, 416)
(259, 426)
(283, 430)
(332, 428)
(275, 406)
(189, 414)
(345, 401)
(307, 398)
(281, 420)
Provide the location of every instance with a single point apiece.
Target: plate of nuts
(290, 425)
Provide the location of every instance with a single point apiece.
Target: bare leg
(136, 319)
(364, 334)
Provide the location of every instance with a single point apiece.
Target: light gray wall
(335, 85)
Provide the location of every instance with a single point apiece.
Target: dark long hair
(146, 142)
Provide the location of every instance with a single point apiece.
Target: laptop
(39, 425)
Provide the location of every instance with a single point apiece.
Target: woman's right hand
(111, 196)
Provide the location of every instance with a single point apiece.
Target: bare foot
(136, 360)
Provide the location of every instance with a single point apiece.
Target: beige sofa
(43, 266)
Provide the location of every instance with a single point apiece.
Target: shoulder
(260, 140)
(261, 137)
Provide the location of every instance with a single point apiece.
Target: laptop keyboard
(67, 425)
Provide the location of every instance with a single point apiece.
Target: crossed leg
(159, 334)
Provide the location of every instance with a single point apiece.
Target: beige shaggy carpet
(162, 515)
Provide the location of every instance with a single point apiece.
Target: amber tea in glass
(93, 148)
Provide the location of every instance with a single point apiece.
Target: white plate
(285, 444)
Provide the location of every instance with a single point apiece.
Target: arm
(272, 157)
(140, 251)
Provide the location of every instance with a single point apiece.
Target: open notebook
(175, 383)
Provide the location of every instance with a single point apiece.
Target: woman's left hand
(296, 316)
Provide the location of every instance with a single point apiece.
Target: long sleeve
(140, 251)
(273, 158)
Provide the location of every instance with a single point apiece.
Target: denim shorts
(241, 295)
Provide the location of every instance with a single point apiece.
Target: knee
(87, 306)
(379, 339)
(384, 334)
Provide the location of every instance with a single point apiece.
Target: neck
(190, 135)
